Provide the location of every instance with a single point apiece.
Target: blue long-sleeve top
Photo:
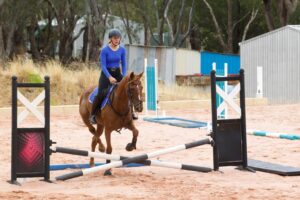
(112, 59)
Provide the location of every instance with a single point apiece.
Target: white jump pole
(156, 86)
(118, 157)
(259, 91)
(146, 86)
(226, 89)
(134, 159)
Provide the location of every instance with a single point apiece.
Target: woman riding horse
(126, 95)
(111, 56)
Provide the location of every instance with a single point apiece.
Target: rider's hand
(112, 80)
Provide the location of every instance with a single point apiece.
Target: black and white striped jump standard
(118, 157)
(135, 159)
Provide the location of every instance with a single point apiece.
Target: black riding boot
(95, 108)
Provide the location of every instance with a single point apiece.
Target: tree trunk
(217, 26)
(2, 48)
(146, 35)
(125, 19)
(65, 49)
(94, 31)
(195, 40)
(285, 9)
(10, 40)
(187, 34)
(229, 26)
(33, 46)
(268, 15)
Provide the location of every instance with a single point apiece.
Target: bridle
(136, 103)
(130, 102)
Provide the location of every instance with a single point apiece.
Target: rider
(111, 56)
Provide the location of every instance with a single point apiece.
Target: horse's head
(135, 91)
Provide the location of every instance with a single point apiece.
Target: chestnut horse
(115, 115)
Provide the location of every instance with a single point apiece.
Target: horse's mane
(123, 83)
(125, 80)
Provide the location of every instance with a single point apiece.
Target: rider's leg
(96, 107)
(102, 88)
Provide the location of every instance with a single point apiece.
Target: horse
(117, 114)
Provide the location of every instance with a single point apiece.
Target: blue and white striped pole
(134, 159)
(117, 157)
(151, 92)
(274, 134)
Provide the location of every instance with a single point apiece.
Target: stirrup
(92, 119)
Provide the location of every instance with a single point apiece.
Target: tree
(153, 18)
(142, 14)
(67, 14)
(97, 13)
(225, 34)
(178, 23)
(8, 27)
(128, 14)
(284, 10)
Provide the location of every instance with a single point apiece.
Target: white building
(278, 53)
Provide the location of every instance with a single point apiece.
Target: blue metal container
(208, 58)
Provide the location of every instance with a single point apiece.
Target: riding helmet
(114, 33)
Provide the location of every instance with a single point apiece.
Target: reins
(111, 98)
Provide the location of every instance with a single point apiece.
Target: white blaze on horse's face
(138, 89)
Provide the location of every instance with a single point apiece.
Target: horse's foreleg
(108, 148)
(131, 146)
(101, 146)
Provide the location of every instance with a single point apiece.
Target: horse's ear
(131, 76)
(140, 75)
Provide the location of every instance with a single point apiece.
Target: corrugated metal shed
(165, 57)
(171, 61)
(278, 52)
(208, 58)
(187, 62)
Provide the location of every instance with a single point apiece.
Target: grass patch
(35, 78)
(67, 84)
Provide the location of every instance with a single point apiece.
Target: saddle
(106, 99)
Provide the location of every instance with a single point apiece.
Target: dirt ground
(152, 182)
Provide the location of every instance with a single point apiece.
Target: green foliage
(21, 16)
(34, 78)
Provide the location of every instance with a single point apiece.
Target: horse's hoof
(130, 147)
(107, 172)
(101, 148)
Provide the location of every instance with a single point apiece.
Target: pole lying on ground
(134, 159)
(288, 136)
(117, 157)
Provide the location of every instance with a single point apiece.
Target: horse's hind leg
(96, 140)
(85, 118)
(131, 146)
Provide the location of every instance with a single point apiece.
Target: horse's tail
(85, 112)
